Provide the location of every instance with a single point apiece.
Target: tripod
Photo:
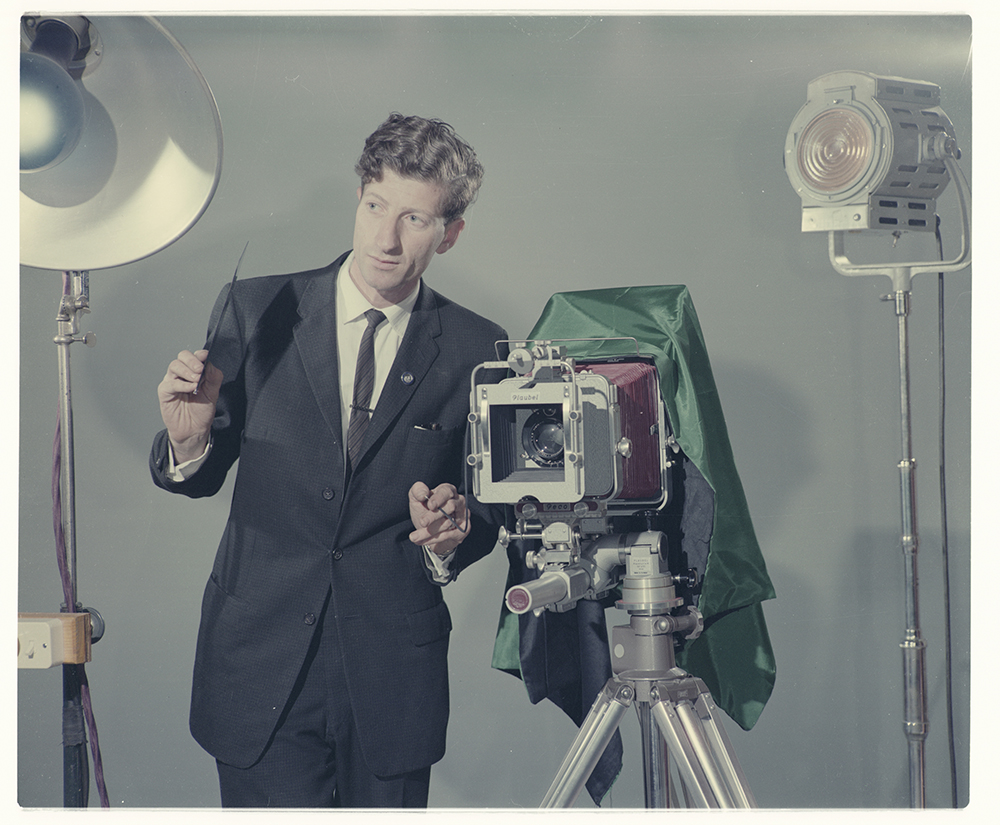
(676, 712)
(677, 715)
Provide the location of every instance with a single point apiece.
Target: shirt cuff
(440, 566)
(186, 469)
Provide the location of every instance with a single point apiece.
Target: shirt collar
(352, 305)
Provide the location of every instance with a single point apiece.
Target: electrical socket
(49, 639)
(39, 643)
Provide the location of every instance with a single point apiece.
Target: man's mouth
(383, 263)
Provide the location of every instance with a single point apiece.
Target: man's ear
(451, 233)
(360, 190)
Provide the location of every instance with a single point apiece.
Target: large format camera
(582, 449)
(571, 444)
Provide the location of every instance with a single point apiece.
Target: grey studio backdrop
(627, 150)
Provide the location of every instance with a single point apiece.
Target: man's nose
(388, 236)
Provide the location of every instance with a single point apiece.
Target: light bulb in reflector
(52, 113)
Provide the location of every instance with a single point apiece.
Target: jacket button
(338, 555)
(309, 618)
(329, 493)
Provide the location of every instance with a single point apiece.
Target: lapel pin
(406, 378)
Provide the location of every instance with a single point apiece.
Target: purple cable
(95, 746)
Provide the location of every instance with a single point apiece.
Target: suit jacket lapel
(316, 338)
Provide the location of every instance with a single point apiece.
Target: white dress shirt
(351, 325)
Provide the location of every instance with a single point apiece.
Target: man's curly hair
(428, 150)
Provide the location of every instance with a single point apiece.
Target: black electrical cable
(86, 704)
(943, 490)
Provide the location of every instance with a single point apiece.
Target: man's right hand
(188, 414)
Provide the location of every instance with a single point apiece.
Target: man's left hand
(430, 511)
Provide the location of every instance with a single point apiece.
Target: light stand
(76, 774)
(121, 152)
(870, 153)
(913, 645)
(75, 301)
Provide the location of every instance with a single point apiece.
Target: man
(321, 673)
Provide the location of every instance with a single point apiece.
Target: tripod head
(572, 569)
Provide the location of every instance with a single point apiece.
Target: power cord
(85, 698)
(943, 491)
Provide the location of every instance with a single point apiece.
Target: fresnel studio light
(868, 152)
(121, 151)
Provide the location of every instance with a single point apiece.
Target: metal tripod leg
(699, 745)
(680, 705)
(687, 719)
(596, 731)
(656, 777)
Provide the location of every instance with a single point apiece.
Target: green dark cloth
(733, 655)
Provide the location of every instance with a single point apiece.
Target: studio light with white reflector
(121, 153)
(148, 157)
(873, 153)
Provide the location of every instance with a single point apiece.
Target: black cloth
(565, 659)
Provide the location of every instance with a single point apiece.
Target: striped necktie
(364, 383)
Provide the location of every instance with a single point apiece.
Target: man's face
(397, 230)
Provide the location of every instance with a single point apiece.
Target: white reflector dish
(146, 166)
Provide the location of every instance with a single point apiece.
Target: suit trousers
(314, 757)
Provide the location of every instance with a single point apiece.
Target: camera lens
(542, 437)
(548, 438)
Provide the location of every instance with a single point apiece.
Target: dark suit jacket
(298, 528)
